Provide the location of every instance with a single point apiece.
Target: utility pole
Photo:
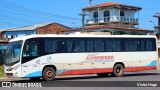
(83, 14)
(157, 15)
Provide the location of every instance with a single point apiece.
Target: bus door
(30, 60)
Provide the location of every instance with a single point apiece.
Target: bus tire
(49, 74)
(34, 78)
(118, 70)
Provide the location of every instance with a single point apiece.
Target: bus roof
(85, 35)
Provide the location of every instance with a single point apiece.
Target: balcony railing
(112, 19)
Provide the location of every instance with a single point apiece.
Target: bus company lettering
(99, 58)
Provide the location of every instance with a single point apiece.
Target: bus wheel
(102, 74)
(118, 70)
(35, 78)
(49, 74)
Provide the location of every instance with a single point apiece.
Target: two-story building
(112, 17)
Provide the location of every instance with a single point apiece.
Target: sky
(19, 13)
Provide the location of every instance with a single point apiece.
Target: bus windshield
(13, 53)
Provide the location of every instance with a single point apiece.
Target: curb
(10, 79)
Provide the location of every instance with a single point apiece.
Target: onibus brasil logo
(14, 84)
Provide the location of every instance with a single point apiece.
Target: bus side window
(99, 45)
(31, 49)
(69, 46)
(131, 45)
(75, 45)
(147, 44)
(150, 45)
(54, 46)
(79, 45)
(113, 45)
(90, 45)
(61, 47)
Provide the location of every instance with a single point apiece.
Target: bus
(48, 56)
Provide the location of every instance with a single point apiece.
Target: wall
(18, 33)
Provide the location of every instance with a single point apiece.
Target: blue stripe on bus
(153, 63)
(39, 74)
(34, 74)
(60, 71)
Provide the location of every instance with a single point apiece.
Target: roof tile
(107, 4)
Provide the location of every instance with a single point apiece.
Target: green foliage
(1, 71)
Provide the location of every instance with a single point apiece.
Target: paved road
(148, 76)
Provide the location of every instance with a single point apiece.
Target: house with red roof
(112, 17)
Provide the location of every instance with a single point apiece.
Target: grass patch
(1, 71)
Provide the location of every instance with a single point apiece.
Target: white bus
(47, 56)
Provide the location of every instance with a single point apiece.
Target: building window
(106, 15)
(95, 16)
(121, 13)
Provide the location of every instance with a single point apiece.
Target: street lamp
(156, 31)
(153, 24)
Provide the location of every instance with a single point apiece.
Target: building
(49, 28)
(53, 28)
(112, 17)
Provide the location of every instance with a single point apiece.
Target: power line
(44, 19)
(37, 12)
(9, 23)
(27, 12)
(13, 18)
(22, 14)
(26, 15)
(30, 16)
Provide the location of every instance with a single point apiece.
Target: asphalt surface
(93, 82)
